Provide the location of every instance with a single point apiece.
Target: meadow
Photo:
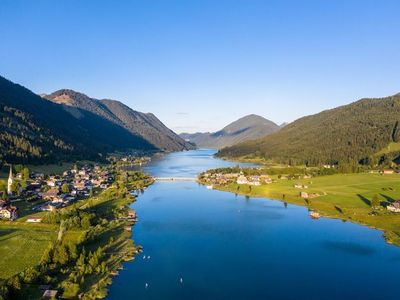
(23, 246)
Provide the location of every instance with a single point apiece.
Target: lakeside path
(343, 196)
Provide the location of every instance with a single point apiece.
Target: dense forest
(35, 130)
(350, 134)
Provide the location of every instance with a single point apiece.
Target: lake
(207, 244)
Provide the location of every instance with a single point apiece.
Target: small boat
(181, 280)
(210, 187)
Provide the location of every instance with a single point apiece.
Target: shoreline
(390, 237)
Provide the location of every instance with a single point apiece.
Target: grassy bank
(343, 196)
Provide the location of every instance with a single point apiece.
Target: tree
(25, 173)
(375, 203)
(3, 187)
(65, 188)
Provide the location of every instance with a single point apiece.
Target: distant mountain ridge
(348, 134)
(146, 125)
(244, 129)
(36, 130)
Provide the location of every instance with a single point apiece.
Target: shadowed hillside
(36, 130)
(141, 124)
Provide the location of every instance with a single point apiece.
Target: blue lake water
(224, 246)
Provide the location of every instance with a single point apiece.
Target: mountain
(36, 130)
(353, 133)
(145, 125)
(246, 128)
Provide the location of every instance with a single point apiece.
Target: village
(212, 179)
(220, 178)
(52, 192)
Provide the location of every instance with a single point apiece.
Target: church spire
(10, 181)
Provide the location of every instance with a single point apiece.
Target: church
(10, 181)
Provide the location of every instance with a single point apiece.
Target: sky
(201, 64)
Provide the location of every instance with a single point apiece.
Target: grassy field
(22, 247)
(392, 147)
(344, 196)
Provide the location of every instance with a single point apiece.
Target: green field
(392, 147)
(344, 196)
(22, 247)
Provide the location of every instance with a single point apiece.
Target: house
(394, 207)
(314, 215)
(388, 171)
(242, 180)
(34, 220)
(50, 294)
(300, 186)
(308, 195)
(304, 195)
(51, 193)
(254, 180)
(103, 185)
(49, 207)
(9, 212)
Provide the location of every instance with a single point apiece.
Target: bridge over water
(176, 179)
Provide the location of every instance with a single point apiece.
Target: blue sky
(200, 64)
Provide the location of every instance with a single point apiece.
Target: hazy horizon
(198, 66)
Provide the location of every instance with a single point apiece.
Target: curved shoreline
(390, 237)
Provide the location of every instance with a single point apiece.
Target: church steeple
(10, 181)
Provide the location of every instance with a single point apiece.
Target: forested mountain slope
(348, 134)
(141, 124)
(35, 130)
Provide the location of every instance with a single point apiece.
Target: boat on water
(210, 187)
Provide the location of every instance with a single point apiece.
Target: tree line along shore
(74, 250)
(368, 198)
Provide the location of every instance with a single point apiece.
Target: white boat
(210, 187)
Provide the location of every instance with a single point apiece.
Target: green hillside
(348, 134)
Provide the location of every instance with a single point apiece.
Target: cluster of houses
(8, 211)
(239, 178)
(60, 191)
(134, 159)
(55, 191)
